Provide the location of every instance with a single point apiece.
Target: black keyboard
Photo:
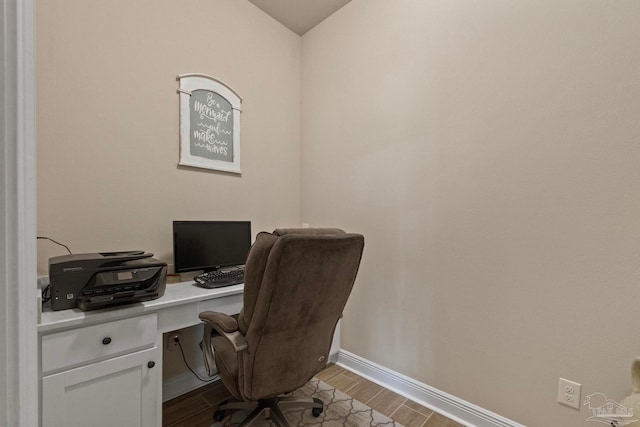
(219, 278)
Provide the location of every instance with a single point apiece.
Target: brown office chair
(297, 282)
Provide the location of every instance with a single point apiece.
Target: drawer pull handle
(106, 341)
(151, 364)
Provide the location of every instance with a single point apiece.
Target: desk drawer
(83, 345)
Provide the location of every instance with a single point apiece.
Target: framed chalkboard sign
(209, 123)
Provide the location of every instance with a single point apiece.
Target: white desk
(104, 367)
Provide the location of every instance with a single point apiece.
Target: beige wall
(107, 114)
(489, 152)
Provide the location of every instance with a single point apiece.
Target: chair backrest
(297, 282)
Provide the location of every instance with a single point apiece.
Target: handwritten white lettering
(211, 113)
(207, 139)
(212, 125)
(217, 128)
(213, 148)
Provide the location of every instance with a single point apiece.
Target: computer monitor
(210, 245)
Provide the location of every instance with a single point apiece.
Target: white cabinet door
(122, 391)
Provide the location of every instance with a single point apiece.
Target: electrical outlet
(569, 393)
(172, 340)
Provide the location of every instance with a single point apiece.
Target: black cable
(187, 365)
(46, 294)
(57, 243)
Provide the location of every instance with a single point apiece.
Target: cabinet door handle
(151, 364)
(106, 340)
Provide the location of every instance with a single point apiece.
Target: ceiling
(299, 15)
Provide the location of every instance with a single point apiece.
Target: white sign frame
(192, 82)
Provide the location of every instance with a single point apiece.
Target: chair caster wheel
(218, 415)
(316, 412)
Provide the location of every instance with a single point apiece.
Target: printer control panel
(122, 278)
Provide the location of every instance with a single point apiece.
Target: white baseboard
(184, 383)
(450, 406)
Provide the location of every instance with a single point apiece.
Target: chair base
(271, 409)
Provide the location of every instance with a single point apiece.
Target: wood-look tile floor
(195, 409)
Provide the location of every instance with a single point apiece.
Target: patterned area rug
(339, 410)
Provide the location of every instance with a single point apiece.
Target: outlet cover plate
(569, 393)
